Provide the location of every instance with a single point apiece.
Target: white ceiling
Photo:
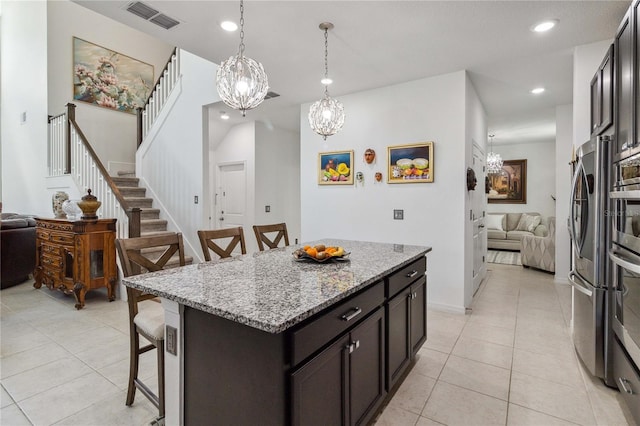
(380, 43)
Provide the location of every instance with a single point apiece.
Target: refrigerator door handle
(623, 263)
(580, 286)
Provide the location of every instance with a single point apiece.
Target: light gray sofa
(508, 238)
(540, 252)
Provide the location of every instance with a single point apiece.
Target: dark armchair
(17, 248)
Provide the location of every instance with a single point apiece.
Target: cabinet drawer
(405, 276)
(328, 325)
(627, 379)
(50, 249)
(52, 262)
(43, 234)
(62, 238)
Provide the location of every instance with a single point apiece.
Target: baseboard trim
(446, 308)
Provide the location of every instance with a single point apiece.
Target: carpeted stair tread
(150, 225)
(148, 213)
(127, 173)
(132, 191)
(123, 181)
(139, 201)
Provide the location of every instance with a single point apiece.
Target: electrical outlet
(195, 199)
(172, 340)
(398, 214)
(267, 209)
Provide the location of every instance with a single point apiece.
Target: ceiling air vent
(152, 15)
(271, 95)
(164, 21)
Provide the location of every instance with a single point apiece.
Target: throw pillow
(494, 221)
(528, 222)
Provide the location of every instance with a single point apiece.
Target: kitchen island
(267, 339)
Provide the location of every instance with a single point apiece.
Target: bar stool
(147, 319)
(262, 230)
(208, 244)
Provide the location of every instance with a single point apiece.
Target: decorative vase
(56, 204)
(72, 210)
(89, 205)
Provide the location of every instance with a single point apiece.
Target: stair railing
(70, 153)
(148, 114)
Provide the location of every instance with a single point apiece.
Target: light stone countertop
(270, 290)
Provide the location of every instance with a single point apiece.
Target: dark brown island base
(265, 339)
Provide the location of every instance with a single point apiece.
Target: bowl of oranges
(320, 253)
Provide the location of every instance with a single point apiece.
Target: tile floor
(509, 362)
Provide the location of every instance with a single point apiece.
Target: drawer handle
(412, 274)
(356, 311)
(623, 383)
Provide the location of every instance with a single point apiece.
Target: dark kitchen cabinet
(624, 84)
(406, 328)
(353, 366)
(602, 95)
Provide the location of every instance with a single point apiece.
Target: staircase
(150, 222)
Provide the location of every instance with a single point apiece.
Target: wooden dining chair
(262, 230)
(208, 244)
(137, 255)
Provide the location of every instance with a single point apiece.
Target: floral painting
(109, 79)
(410, 163)
(335, 168)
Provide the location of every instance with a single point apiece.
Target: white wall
(564, 149)
(277, 174)
(586, 60)
(430, 109)
(23, 70)
(111, 133)
(171, 161)
(476, 131)
(541, 176)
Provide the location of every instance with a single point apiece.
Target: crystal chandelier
(494, 161)
(326, 116)
(241, 82)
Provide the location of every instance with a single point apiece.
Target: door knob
(221, 218)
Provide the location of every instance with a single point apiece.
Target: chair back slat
(271, 242)
(208, 244)
(133, 259)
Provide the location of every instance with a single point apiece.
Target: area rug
(504, 257)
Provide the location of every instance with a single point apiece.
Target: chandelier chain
(326, 60)
(241, 48)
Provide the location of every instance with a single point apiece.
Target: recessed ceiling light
(229, 26)
(544, 26)
(326, 81)
(224, 115)
(537, 90)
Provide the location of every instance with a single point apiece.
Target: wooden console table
(76, 256)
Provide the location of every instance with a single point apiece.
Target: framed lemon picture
(410, 163)
(335, 168)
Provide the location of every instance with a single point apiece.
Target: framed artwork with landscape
(335, 168)
(410, 163)
(109, 79)
(510, 185)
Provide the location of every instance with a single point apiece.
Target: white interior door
(231, 196)
(478, 210)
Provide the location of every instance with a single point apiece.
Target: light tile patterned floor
(509, 362)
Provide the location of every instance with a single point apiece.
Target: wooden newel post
(71, 117)
(139, 114)
(134, 222)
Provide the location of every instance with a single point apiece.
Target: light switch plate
(398, 214)
(267, 209)
(172, 340)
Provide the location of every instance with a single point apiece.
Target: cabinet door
(606, 91)
(311, 403)
(418, 315)
(367, 379)
(596, 100)
(398, 343)
(623, 84)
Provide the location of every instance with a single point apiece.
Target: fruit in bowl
(319, 252)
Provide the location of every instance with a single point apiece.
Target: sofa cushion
(494, 221)
(517, 235)
(13, 223)
(528, 222)
(512, 221)
(494, 234)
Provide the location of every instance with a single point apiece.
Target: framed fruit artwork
(410, 163)
(335, 168)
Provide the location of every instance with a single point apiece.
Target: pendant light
(241, 82)
(494, 161)
(326, 116)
